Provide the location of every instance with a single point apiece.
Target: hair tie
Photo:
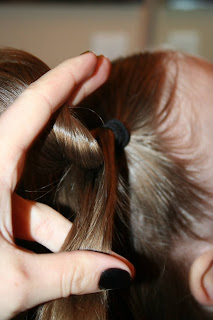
(121, 133)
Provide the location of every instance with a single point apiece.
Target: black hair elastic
(121, 133)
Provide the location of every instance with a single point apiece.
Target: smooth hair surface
(137, 201)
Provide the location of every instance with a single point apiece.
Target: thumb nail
(208, 281)
(114, 279)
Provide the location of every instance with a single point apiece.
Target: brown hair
(137, 201)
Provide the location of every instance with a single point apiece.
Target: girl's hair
(138, 201)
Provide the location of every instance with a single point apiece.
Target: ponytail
(89, 188)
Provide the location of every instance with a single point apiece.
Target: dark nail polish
(96, 251)
(114, 279)
(85, 52)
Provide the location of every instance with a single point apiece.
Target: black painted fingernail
(114, 279)
(85, 52)
(96, 251)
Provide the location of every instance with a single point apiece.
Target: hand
(28, 279)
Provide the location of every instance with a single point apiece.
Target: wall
(55, 33)
(189, 31)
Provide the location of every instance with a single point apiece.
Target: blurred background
(56, 30)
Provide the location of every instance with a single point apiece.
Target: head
(152, 201)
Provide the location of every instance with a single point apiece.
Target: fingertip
(108, 261)
(114, 278)
(102, 65)
(97, 78)
(105, 64)
(53, 276)
(110, 271)
(126, 263)
(88, 57)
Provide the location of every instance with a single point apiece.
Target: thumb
(53, 276)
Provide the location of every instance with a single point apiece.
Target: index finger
(27, 116)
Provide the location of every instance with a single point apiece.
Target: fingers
(53, 276)
(99, 77)
(28, 115)
(38, 222)
(29, 279)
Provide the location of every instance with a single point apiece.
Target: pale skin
(195, 108)
(200, 79)
(28, 279)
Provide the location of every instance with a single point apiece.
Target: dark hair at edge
(135, 201)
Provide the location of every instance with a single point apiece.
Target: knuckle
(73, 79)
(33, 90)
(42, 230)
(44, 227)
(75, 281)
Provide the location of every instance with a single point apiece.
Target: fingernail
(93, 250)
(102, 56)
(85, 52)
(208, 281)
(114, 279)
